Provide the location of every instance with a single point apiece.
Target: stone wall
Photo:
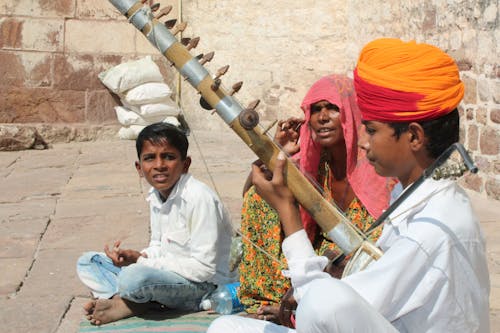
(52, 51)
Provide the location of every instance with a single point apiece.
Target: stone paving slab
(74, 315)
(76, 197)
(19, 241)
(34, 313)
(21, 183)
(27, 209)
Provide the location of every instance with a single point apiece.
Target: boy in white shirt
(433, 275)
(188, 253)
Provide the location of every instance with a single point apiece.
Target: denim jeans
(139, 283)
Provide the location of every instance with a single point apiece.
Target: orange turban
(397, 81)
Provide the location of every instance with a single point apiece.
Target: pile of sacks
(145, 97)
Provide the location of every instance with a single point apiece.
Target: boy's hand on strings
(272, 189)
(287, 134)
(121, 257)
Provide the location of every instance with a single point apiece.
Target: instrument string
(424, 199)
(233, 227)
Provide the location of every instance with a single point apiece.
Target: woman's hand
(121, 257)
(287, 134)
(288, 306)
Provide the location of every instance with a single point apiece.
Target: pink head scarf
(370, 188)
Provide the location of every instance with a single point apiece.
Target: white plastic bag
(131, 74)
(148, 93)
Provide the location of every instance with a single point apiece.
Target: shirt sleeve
(402, 274)
(198, 262)
(304, 265)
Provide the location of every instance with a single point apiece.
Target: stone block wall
(50, 55)
(52, 51)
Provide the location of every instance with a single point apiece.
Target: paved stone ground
(57, 203)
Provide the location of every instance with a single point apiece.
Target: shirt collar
(154, 195)
(418, 199)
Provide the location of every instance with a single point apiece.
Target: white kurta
(190, 233)
(433, 276)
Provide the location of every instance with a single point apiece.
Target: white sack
(172, 120)
(130, 132)
(148, 111)
(148, 93)
(126, 117)
(154, 110)
(131, 74)
(128, 106)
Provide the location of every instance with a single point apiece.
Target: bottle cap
(206, 304)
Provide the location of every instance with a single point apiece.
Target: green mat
(157, 322)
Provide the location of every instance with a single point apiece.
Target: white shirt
(190, 233)
(433, 276)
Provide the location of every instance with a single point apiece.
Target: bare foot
(89, 307)
(116, 308)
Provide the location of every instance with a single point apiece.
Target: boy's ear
(139, 169)
(187, 163)
(416, 136)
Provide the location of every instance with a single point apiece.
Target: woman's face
(325, 124)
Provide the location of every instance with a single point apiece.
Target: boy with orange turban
(433, 276)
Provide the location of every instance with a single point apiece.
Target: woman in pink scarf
(328, 153)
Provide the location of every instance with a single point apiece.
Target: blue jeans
(139, 283)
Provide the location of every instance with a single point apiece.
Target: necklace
(327, 179)
(344, 196)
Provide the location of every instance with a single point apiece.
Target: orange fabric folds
(400, 81)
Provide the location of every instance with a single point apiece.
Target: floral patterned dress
(261, 281)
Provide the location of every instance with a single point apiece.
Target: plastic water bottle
(223, 300)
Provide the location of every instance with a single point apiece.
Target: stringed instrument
(244, 122)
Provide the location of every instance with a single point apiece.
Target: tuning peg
(164, 11)
(217, 81)
(204, 104)
(270, 126)
(215, 86)
(249, 118)
(235, 88)
(185, 41)
(144, 1)
(178, 28)
(170, 23)
(193, 43)
(155, 7)
(253, 105)
(221, 71)
(207, 57)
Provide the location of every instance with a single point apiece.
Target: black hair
(160, 132)
(441, 132)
